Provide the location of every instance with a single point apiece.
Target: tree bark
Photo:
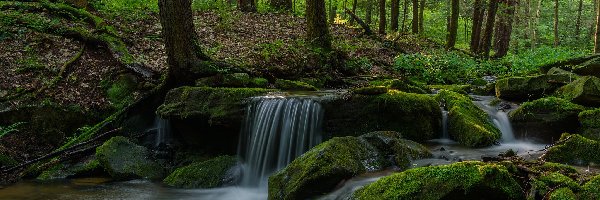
(578, 22)
(535, 23)
(382, 17)
(478, 10)
(415, 18)
(281, 4)
(369, 14)
(317, 31)
(556, 39)
(453, 24)
(354, 4)
(181, 42)
(486, 39)
(247, 5)
(404, 13)
(504, 28)
(597, 33)
(332, 11)
(395, 13)
(421, 18)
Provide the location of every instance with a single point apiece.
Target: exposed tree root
(63, 70)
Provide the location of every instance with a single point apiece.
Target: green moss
(591, 189)
(462, 89)
(408, 86)
(576, 150)
(206, 174)
(259, 83)
(123, 159)
(372, 90)
(548, 182)
(563, 194)
(525, 88)
(217, 105)
(549, 109)
(120, 93)
(466, 180)
(590, 123)
(227, 80)
(555, 167)
(293, 85)
(468, 124)
(584, 91)
(67, 170)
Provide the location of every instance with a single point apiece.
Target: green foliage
(527, 62)
(120, 93)
(269, 50)
(130, 10)
(9, 129)
(359, 65)
(205, 5)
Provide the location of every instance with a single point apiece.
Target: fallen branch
(364, 25)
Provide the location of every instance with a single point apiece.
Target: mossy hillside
(590, 123)
(319, 170)
(469, 180)
(591, 189)
(575, 150)
(216, 105)
(584, 91)
(547, 117)
(416, 116)
(123, 159)
(293, 85)
(205, 174)
(232, 80)
(468, 124)
(525, 88)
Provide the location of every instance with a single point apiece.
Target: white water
(163, 131)
(445, 134)
(503, 123)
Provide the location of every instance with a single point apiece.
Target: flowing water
(163, 131)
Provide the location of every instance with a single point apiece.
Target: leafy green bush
(529, 61)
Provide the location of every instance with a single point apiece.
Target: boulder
(85, 167)
(588, 68)
(467, 123)
(551, 182)
(408, 86)
(545, 118)
(573, 149)
(590, 123)
(462, 89)
(123, 160)
(584, 91)
(206, 174)
(526, 88)
(371, 90)
(417, 116)
(464, 180)
(323, 167)
(294, 85)
(591, 189)
(232, 80)
(558, 75)
(563, 193)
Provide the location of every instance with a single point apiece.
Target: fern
(10, 129)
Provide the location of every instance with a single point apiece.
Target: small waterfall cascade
(276, 131)
(163, 131)
(501, 121)
(445, 134)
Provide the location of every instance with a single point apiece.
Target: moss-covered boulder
(417, 116)
(371, 90)
(545, 118)
(232, 80)
(123, 159)
(591, 189)
(563, 193)
(526, 88)
(293, 85)
(547, 183)
(206, 174)
(574, 149)
(408, 86)
(467, 123)
(558, 75)
(588, 68)
(319, 170)
(590, 123)
(465, 180)
(87, 167)
(584, 91)
(462, 89)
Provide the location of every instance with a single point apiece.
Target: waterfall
(275, 132)
(503, 123)
(445, 134)
(162, 128)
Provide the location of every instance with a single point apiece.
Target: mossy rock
(563, 193)
(231, 80)
(584, 91)
(319, 170)
(546, 118)
(591, 189)
(462, 89)
(558, 75)
(371, 90)
(408, 86)
(574, 150)
(525, 88)
(548, 182)
(590, 123)
(206, 174)
(588, 68)
(464, 180)
(294, 85)
(416, 116)
(467, 123)
(123, 160)
(87, 166)
(555, 167)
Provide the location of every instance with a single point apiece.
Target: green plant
(9, 129)
(271, 49)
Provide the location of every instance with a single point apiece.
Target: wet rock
(206, 174)
(319, 170)
(465, 180)
(545, 118)
(123, 160)
(574, 149)
(584, 91)
(526, 88)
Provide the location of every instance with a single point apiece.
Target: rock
(558, 75)
(416, 116)
(323, 167)
(88, 166)
(231, 80)
(526, 88)
(575, 150)
(123, 160)
(207, 174)
(584, 91)
(371, 90)
(408, 86)
(465, 180)
(591, 189)
(549, 182)
(545, 118)
(259, 83)
(588, 68)
(294, 85)
(467, 123)
(563, 193)
(590, 123)
(462, 89)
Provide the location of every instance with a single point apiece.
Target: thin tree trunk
(345, 7)
(486, 39)
(421, 18)
(504, 28)
(395, 13)
(453, 25)
(556, 39)
(281, 4)
(415, 18)
(317, 31)
(332, 11)
(535, 24)
(247, 5)
(597, 34)
(404, 13)
(369, 15)
(529, 30)
(354, 4)
(478, 10)
(382, 17)
(578, 22)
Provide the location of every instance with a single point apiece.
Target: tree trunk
(332, 11)
(247, 5)
(395, 12)
(404, 13)
(382, 17)
(486, 39)
(281, 4)
(478, 10)
(535, 24)
(597, 34)
(415, 19)
(578, 22)
(504, 28)
(453, 25)
(354, 4)
(556, 39)
(317, 31)
(421, 18)
(369, 15)
(181, 42)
